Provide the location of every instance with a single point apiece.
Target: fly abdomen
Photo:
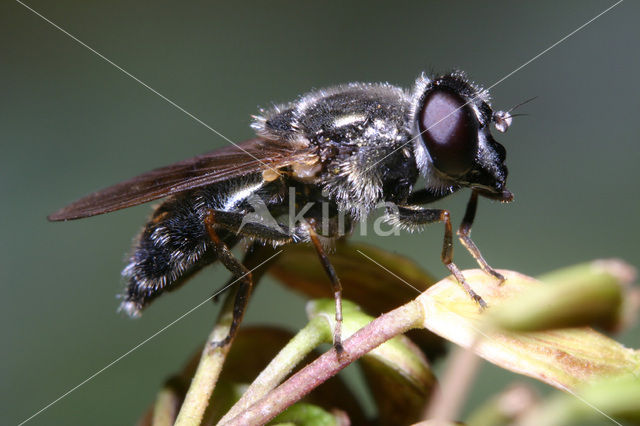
(171, 247)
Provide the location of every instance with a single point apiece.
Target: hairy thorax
(359, 135)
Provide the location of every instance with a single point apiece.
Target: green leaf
(587, 294)
(303, 414)
(613, 397)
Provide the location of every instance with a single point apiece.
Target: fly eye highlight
(449, 130)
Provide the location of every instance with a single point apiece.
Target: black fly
(348, 147)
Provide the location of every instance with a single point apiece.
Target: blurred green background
(70, 123)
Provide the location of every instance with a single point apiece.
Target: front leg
(426, 196)
(464, 234)
(333, 277)
(413, 218)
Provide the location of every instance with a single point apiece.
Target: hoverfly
(351, 146)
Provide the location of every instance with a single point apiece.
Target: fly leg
(241, 274)
(413, 217)
(464, 233)
(335, 283)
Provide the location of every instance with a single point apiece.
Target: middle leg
(413, 218)
(335, 283)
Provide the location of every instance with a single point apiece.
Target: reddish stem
(329, 364)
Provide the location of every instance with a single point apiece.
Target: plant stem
(257, 260)
(208, 371)
(461, 369)
(330, 363)
(315, 332)
(165, 407)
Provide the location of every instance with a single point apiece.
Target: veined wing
(252, 156)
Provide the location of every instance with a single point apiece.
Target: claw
(219, 343)
(480, 301)
(496, 274)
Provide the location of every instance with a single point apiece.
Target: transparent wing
(252, 156)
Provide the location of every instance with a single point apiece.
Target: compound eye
(449, 130)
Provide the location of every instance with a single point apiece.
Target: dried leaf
(563, 358)
(364, 283)
(373, 288)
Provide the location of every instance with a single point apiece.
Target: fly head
(451, 119)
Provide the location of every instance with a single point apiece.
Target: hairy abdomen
(172, 246)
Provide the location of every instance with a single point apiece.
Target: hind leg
(242, 275)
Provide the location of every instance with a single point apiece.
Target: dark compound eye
(449, 130)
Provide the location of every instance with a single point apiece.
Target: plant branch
(306, 340)
(208, 371)
(330, 363)
(211, 361)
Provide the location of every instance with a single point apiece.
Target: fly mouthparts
(506, 196)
